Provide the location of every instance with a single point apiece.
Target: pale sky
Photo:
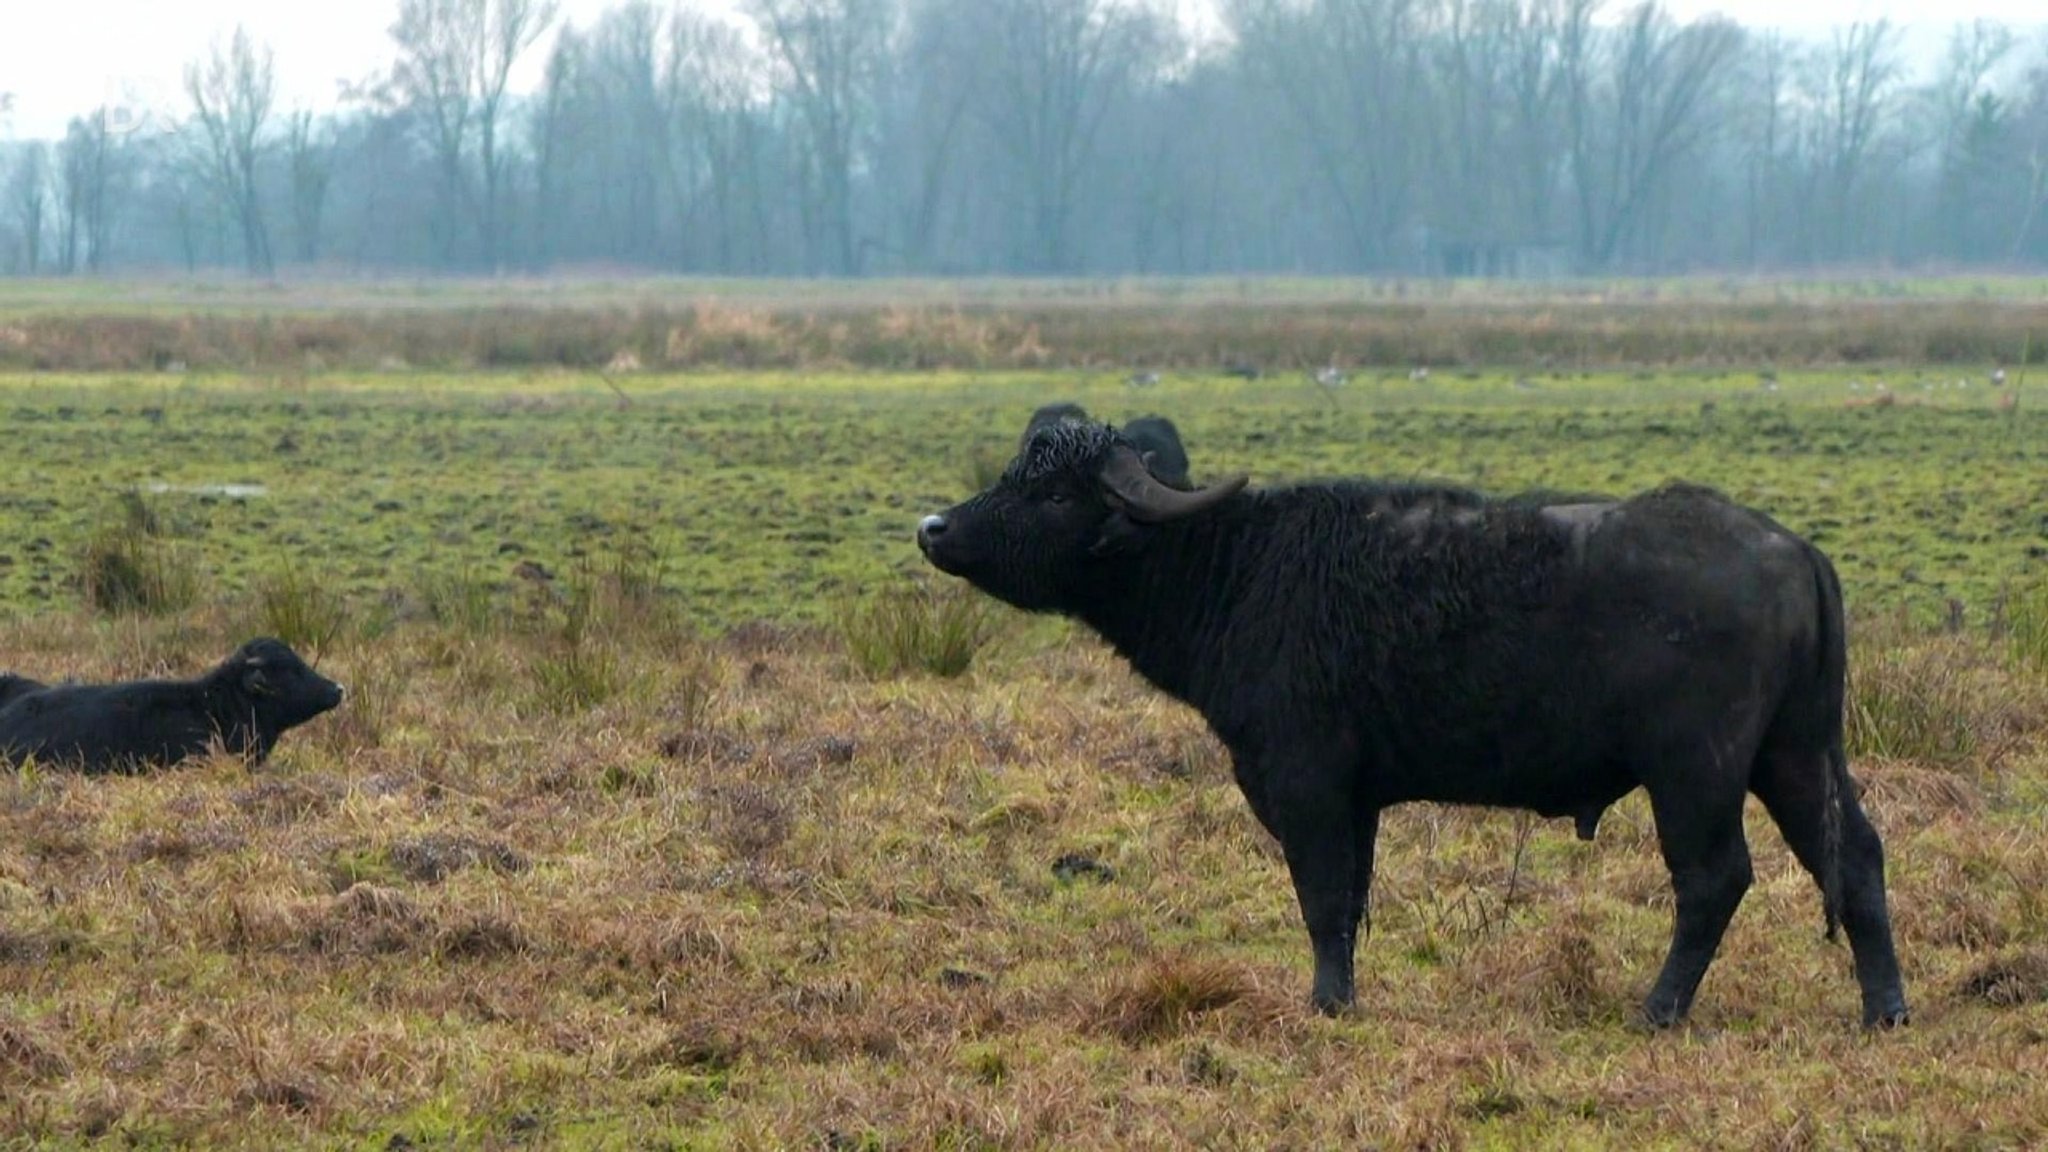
(61, 58)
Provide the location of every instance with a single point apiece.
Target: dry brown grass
(759, 900)
(1089, 326)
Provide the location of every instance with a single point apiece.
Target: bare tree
(91, 171)
(925, 118)
(28, 196)
(455, 58)
(1765, 127)
(2032, 166)
(231, 94)
(1966, 118)
(309, 157)
(711, 79)
(1352, 77)
(1539, 86)
(1045, 73)
(510, 28)
(830, 56)
(1655, 107)
(1853, 91)
(633, 135)
(555, 141)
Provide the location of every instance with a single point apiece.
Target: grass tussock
(2026, 623)
(576, 673)
(25, 1057)
(593, 630)
(375, 684)
(126, 569)
(1934, 700)
(463, 601)
(1163, 998)
(300, 610)
(917, 626)
(2009, 979)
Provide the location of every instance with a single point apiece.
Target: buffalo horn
(1150, 502)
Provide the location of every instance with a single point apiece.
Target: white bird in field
(1418, 375)
(1998, 377)
(1329, 377)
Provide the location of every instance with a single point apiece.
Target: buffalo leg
(1365, 834)
(1794, 791)
(1704, 847)
(1321, 834)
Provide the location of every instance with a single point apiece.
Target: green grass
(918, 626)
(774, 496)
(615, 842)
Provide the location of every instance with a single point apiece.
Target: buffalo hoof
(1332, 999)
(1661, 1017)
(1888, 1019)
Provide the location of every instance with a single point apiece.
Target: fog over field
(1490, 138)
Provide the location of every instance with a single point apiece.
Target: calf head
(279, 687)
(1051, 414)
(1078, 499)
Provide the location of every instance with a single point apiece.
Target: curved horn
(1150, 502)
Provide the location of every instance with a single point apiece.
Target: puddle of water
(230, 491)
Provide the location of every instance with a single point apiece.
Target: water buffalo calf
(1157, 439)
(245, 704)
(13, 687)
(1047, 415)
(1159, 444)
(1357, 646)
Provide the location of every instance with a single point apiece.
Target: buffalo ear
(1120, 536)
(255, 681)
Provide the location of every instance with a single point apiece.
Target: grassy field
(628, 836)
(769, 495)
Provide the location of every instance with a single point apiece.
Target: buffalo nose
(930, 528)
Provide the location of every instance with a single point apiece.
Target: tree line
(964, 137)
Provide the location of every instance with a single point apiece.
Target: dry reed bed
(1101, 334)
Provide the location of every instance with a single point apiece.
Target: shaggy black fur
(1152, 434)
(1048, 415)
(1360, 645)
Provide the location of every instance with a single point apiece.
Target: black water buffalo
(1156, 437)
(246, 704)
(1047, 415)
(12, 686)
(1159, 444)
(1357, 645)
